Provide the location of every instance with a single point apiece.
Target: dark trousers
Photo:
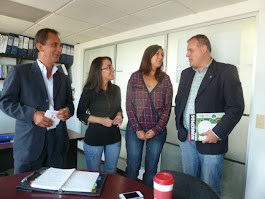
(49, 157)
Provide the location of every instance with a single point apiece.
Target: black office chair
(189, 187)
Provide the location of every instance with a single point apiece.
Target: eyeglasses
(110, 67)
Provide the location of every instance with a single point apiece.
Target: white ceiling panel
(77, 39)
(79, 21)
(203, 5)
(13, 25)
(125, 24)
(31, 32)
(48, 5)
(130, 6)
(99, 32)
(163, 12)
(66, 26)
(19, 11)
(90, 11)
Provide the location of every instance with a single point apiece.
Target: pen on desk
(27, 177)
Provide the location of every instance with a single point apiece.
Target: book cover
(202, 122)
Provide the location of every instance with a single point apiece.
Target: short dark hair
(146, 65)
(202, 40)
(93, 81)
(42, 36)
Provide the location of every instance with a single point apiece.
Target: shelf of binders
(22, 47)
(20, 58)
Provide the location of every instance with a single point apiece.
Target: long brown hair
(93, 81)
(146, 65)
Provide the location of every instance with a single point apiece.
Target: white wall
(256, 147)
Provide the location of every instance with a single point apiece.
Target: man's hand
(141, 135)
(106, 121)
(40, 120)
(63, 114)
(118, 119)
(211, 137)
(150, 134)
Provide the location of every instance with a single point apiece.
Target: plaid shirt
(140, 110)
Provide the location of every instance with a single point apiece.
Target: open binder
(27, 183)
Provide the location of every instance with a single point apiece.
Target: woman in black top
(100, 107)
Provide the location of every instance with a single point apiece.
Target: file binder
(20, 45)
(2, 43)
(72, 54)
(9, 43)
(30, 49)
(25, 46)
(64, 55)
(14, 48)
(35, 53)
(27, 181)
(5, 38)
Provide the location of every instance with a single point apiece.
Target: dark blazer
(220, 91)
(24, 92)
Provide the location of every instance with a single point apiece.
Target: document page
(52, 179)
(52, 115)
(81, 181)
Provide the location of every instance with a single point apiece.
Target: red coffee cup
(163, 185)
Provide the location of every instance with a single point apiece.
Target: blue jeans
(94, 153)
(209, 167)
(134, 148)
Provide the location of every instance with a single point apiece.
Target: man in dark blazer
(29, 91)
(207, 87)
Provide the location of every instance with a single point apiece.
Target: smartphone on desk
(131, 195)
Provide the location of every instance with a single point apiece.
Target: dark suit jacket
(24, 92)
(220, 91)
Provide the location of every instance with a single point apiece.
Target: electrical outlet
(260, 121)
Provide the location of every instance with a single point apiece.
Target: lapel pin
(210, 77)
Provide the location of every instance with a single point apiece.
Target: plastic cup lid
(164, 178)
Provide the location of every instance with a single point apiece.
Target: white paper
(81, 181)
(52, 179)
(52, 115)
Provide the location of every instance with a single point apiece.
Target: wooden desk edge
(72, 136)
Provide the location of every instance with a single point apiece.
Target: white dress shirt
(48, 82)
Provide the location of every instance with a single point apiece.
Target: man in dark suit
(207, 87)
(29, 91)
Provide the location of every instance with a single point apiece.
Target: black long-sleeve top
(104, 104)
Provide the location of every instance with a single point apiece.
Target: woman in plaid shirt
(148, 105)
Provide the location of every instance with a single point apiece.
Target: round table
(114, 185)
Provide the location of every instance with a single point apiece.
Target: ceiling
(80, 21)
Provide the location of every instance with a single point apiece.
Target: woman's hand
(150, 134)
(118, 119)
(106, 121)
(141, 135)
